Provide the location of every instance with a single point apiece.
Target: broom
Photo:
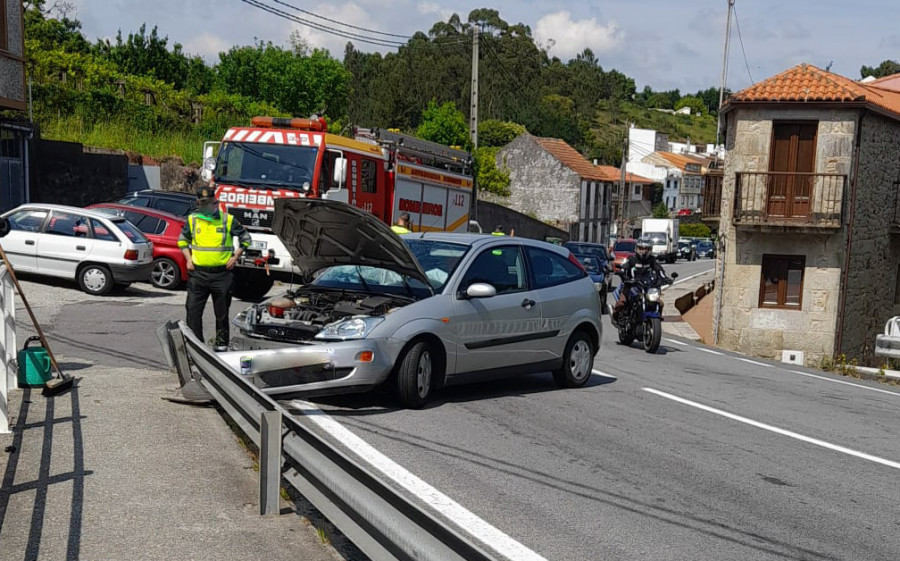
(61, 382)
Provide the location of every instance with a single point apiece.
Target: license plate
(258, 245)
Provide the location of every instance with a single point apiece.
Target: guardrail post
(270, 463)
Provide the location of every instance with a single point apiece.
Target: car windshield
(130, 231)
(656, 238)
(624, 246)
(704, 245)
(362, 278)
(281, 165)
(438, 259)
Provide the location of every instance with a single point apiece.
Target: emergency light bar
(315, 124)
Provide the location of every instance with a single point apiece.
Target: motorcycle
(642, 314)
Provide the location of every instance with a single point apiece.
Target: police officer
(498, 231)
(206, 241)
(402, 225)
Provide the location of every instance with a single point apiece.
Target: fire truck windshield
(269, 165)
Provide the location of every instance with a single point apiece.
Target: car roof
(141, 209)
(64, 208)
(161, 194)
(482, 240)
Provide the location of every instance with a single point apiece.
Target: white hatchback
(95, 249)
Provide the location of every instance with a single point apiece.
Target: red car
(622, 250)
(685, 212)
(169, 266)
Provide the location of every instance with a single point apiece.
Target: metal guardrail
(383, 523)
(8, 345)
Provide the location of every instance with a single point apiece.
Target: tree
(498, 133)
(886, 68)
(694, 230)
(488, 176)
(696, 104)
(660, 211)
(445, 124)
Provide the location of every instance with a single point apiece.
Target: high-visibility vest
(397, 229)
(211, 244)
(497, 234)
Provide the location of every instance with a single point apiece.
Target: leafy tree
(710, 99)
(498, 133)
(694, 230)
(660, 211)
(445, 124)
(695, 103)
(488, 176)
(886, 68)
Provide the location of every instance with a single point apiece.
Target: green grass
(610, 122)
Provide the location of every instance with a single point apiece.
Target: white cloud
(570, 37)
(207, 46)
(428, 8)
(349, 12)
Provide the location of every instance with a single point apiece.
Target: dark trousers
(203, 282)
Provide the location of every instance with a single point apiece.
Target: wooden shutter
(793, 160)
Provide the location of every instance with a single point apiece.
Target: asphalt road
(612, 470)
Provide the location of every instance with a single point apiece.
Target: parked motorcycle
(642, 315)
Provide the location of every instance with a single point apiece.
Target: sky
(660, 43)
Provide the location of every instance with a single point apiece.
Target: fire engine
(380, 171)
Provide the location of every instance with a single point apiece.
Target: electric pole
(473, 111)
(724, 70)
(622, 194)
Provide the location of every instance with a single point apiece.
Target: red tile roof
(681, 160)
(891, 82)
(806, 83)
(570, 158)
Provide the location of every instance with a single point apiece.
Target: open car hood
(321, 233)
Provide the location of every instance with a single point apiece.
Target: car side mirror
(480, 290)
(340, 172)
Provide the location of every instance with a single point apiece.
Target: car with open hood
(417, 312)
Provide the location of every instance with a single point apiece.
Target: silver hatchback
(419, 311)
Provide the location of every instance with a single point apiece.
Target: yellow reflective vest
(397, 229)
(210, 238)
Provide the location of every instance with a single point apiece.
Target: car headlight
(242, 320)
(653, 294)
(354, 328)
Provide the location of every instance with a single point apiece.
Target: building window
(781, 281)
(637, 190)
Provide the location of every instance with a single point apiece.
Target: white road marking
(783, 432)
(710, 351)
(748, 361)
(895, 394)
(476, 527)
(675, 342)
(596, 372)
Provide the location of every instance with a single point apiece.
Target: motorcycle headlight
(354, 328)
(653, 294)
(242, 320)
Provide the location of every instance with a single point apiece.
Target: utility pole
(473, 111)
(724, 69)
(622, 194)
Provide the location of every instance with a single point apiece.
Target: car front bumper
(131, 273)
(288, 370)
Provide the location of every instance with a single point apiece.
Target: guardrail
(383, 523)
(8, 346)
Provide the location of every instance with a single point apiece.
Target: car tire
(95, 279)
(166, 274)
(416, 375)
(251, 285)
(578, 361)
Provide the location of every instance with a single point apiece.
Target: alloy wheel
(423, 374)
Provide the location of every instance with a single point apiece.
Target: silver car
(419, 311)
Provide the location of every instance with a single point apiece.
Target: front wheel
(165, 274)
(95, 279)
(416, 373)
(578, 361)
(251, 284)
(652, 334)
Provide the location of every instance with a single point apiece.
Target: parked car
(418, 313)
(687, 250)
(161, 228)
(594, 249)
(95, 249)
(622, 250)
(706, 248)
(599, 272)
(179, 204)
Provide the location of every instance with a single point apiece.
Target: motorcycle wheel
(652, 334)
(625, 336)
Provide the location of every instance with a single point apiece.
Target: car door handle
(29, 242)
(527, 303)
(80, 247)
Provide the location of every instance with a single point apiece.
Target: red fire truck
(380, 171)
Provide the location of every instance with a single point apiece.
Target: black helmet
(644, 244)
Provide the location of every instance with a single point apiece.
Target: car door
(498, 331)
(64, 244)
(20, 244)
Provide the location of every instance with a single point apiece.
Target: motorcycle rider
(636, 267)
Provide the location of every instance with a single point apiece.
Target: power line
(747, 64)
(340, 22)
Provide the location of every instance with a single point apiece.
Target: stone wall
(540, 185)
(491, 215)
(68, 173)
(875, 251)
(741, 324)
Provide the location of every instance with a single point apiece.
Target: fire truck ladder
(432, 154)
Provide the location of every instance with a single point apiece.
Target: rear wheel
(652, 334)
(95, 279)
(578, 361)
(251, 284)
(416, 375)
(165, 274)
(625, 336)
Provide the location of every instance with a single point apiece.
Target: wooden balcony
(788, 199)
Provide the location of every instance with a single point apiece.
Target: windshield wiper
(362, 280)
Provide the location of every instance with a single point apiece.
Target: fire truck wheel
(251, 285)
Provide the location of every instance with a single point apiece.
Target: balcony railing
(712, 195)
(789, 199)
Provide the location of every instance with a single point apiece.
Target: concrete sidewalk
(110, 471)
(673, 324)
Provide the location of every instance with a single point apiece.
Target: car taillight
(275, 311)
(576, 262)
(131, 255)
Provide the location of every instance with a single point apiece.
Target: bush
(694, 230)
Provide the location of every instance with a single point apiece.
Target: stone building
(14, 130)
(809, 217)
(551, 181)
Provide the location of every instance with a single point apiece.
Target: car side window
(147, 224)
(549, 268)
(178, 208)
(27, 220)
(101, 231)
(501, 267)
(67, 224)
